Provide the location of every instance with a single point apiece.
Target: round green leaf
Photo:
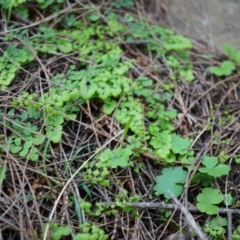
(208, 199)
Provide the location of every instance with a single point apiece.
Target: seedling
(232, 52)
(216, 227)
(225, 69)
(228, 66)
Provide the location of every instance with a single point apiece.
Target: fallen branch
(154, 205)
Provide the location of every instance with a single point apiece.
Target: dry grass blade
(70, 180)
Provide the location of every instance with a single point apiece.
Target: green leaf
(161, 143)
(3, 171)
(58, 119)
(24, 152)
(33, 154)
(232, 52)
(218, 221)
(47, 32)
(109, 106)
(215, 227)
(228, 199)
(24, 116)
(55, 136)
(143, 81)
(203, 179)
(226, 69)
(208, 199)
(39, 140)
(29, 129)
(65, 47)
(170, 180)
(26, 147)
(94, 17)
(17, 141)
(179, 145)
(61, 231)
(212, 168)
(82, 236)
(118, 157)
(15, 149)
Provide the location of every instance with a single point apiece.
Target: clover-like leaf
(94, 17)
(212, 168)
(47, 32)
(118, 157)
(161, 143)
(226, 69)
(219, 221)
(187, 74)
(26, 147)
(216, 227)
(58, 119)
(208, 199)
(109, 106)
(33, 154)
(170, 180)
(60, 231)
(29, 129)
(143, 81)
(55, 136)
(17, 141)
(39, 140)
(15, 149)
(65, 47)
(179, 145)
(55, 133)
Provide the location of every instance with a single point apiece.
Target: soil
(211, 21)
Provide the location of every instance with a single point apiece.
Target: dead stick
(169, 206)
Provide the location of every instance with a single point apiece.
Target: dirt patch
(213, 21)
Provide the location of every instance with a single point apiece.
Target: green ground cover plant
(96, 84)
(216, 227)
(11, 61)
(89, 232)
(228, 66)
